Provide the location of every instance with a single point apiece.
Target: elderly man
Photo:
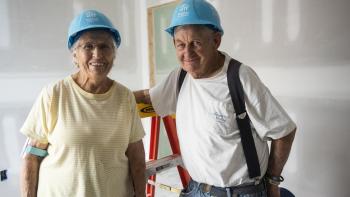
(209, 136)
(84, 132)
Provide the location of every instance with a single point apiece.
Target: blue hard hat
(90, 19)
(195, 12)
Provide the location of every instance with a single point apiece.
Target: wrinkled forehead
(193, 30)
(97, 35)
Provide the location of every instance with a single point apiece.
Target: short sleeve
(137, 131)
(163, 95)
(268, 117)
(39, 121)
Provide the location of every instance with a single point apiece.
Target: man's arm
(142, 96)
(279, 153)
(136, 156)
(30, 170)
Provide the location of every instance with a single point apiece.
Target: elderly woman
(84, 132)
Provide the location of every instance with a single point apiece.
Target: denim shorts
(194, 190)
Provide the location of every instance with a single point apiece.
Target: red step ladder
(155, 165)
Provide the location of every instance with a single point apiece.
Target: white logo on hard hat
(90, 14)
(91, 17)
(183, 10)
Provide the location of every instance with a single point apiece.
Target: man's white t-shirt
(209, 138)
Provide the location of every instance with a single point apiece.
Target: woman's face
(94, 53)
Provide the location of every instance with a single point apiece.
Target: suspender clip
(242, 115)
(257, 180)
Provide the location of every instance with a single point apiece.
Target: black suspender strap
(243, 121)
(181, 80)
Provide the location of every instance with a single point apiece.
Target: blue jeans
(194, 190)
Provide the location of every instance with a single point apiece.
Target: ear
(115, 53)
(217, 39)
(75, 59)
(74, 53)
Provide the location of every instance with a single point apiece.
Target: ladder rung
(159, 165)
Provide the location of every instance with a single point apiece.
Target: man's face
(196, 49)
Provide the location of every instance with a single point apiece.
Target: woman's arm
(136, 155)
(30, 170)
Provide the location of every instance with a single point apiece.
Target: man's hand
(272, 190)
(142, 96)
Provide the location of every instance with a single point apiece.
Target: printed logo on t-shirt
(219, 117)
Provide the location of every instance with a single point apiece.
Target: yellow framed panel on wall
(162, 57)
(161, 50)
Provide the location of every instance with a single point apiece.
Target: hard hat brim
(74, 37)
(171, 28)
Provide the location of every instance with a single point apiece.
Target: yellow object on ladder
(146, 110)
(165, 187)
